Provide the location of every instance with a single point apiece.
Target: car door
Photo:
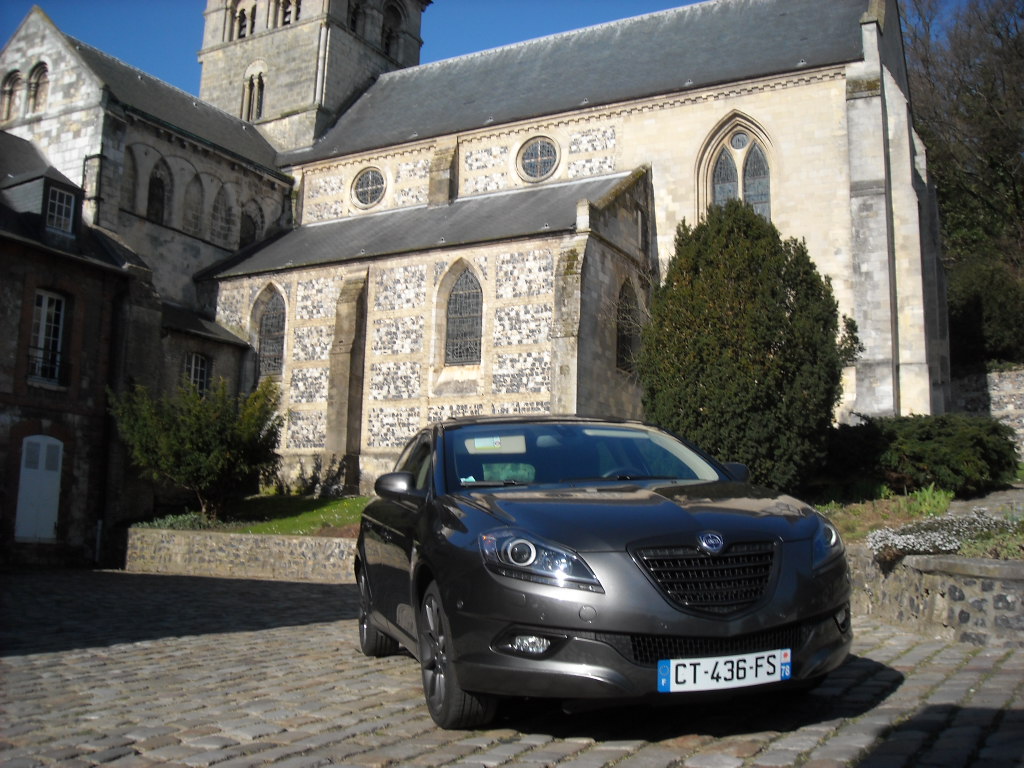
(396, 520)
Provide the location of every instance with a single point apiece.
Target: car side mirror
(397, 485)
(738, 472)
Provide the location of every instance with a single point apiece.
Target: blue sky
(163, 37)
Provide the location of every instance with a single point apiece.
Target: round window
(739, 140)
(369, 187)
(538, 158)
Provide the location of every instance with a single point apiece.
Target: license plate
(717, 673)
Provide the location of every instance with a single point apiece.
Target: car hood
(609, 517)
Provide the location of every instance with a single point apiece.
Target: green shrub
(965, 455)
(187, 521)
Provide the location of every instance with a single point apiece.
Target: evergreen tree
(211, 444)
(743, 353)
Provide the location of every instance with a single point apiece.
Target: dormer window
(60, 210)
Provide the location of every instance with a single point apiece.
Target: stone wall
(241, 556)
(970, 600)
(1000, 394)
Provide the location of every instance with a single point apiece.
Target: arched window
(158, 198)
(129, 180)
(391, 29)
(38, 88)
(192, 216)
(271, 337)
(290, 11)
(627, 329)
(355, 16)
(463, 321)
(756, 183)
(222, 218)
(10, 97)
(243, 24)
(754, 186)
(252, 97)
(726, 182)
(250, 225)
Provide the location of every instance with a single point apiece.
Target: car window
(417, 462)
(512, 454)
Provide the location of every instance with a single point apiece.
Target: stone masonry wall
(973, 601)
(247, 556)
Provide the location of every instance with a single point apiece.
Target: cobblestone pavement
(118, 669)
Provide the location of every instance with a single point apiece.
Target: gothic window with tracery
(464, 320)
(753, 186)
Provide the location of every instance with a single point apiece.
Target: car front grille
(722, 584)
(648, 650)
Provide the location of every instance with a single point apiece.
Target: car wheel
(372, 642)
(449, 705)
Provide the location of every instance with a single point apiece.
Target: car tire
(449, 705)
(372, 642)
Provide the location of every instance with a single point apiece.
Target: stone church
(398, 243)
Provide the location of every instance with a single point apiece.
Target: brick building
(399, 243)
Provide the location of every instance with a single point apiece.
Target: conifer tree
(743, 354)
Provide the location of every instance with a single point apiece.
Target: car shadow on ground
(850, 691)
(48, 611)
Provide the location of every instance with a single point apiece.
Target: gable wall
(69, 129)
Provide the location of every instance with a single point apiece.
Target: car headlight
(520, 555)
(827, 544)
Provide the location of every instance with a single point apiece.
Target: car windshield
(481, 455)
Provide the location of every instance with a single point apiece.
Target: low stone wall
(243, 556)
(970, 600)
(973, 601)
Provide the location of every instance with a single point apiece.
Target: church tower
(290, 66)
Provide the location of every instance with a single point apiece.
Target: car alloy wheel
(449, 705)
(372, 642)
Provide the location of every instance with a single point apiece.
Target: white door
(39, 488)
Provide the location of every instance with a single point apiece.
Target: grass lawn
(294, 516)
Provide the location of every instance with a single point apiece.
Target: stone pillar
(345, 386)
(872, 235)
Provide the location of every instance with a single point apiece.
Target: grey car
(600, 560)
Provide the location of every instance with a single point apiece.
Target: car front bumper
(595, 659)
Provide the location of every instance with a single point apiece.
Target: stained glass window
(464, 318)
(538, 158)
(369, 187)
(271, 351)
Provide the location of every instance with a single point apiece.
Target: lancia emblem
(710, 542)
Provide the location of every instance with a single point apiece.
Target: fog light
(530, 644)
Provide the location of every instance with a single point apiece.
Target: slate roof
(534, 211)
(151, 96)
(179, 318)
(21, 161)
(686, 48)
